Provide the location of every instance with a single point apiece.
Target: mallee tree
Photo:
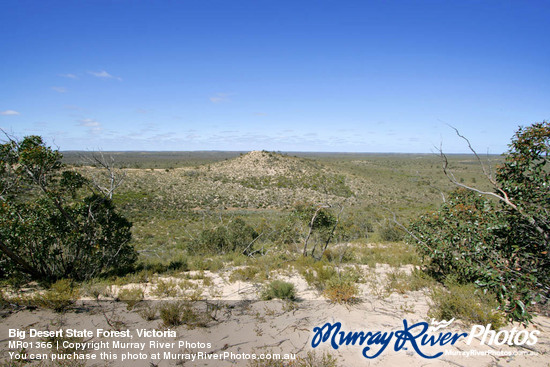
(499, 239)
(54, 223)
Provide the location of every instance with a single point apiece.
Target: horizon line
(263, 150)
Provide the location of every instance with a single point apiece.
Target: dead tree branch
(115, 176)
(312, 223)
(499, 193)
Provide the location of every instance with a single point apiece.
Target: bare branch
(319, 207)
(115, 176)
(500, 194)
(504, 197)
(329, 238)
(18, 260)
(488, 175)
(254, 240)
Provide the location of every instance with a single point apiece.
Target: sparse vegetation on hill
(180, 210)
(254, 180)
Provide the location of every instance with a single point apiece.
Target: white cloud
(60, 89)
(221, 97)
(9, 113)
(103, 74)
(70, 76)
(89, 123)
(93, 125)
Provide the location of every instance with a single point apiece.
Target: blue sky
(352, 76)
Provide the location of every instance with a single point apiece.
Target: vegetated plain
(251, 215)
(171, 197)
(233, 226)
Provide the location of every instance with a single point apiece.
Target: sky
(333, 76)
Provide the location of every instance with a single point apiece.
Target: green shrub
(461, 238)
(60, 296)
(131, 296)
(182, 313)
(55, 223)
(394, 254)
(200, 263)
(337, 286)
(166, 289)
(342, 255)
(237, 236)
(175, 313)
(179, 264)
(342, 289)
(319, 274)
(149, 312)
(467, 239)
(312, 359)
(279, 289)
(503, 247)
(401, 282)
(246, 273)
(390, 232)
(467, 303)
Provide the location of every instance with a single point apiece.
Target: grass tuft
(279, 289)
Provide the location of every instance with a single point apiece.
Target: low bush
(182, 313)
(131, 296)
(237, 236)
(467, 303)
(341, 289)
(60, 296)
(201, 263)
(246, 273)
(401, 282)
(394, 254)
(279, 289)
(319, 274)
(149, 312)
(341, 255)
(176, 313)
(390, 232)
(168, 288)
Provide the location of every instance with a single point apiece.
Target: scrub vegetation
(332, 218)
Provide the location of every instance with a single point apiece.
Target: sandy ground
(239, 324)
